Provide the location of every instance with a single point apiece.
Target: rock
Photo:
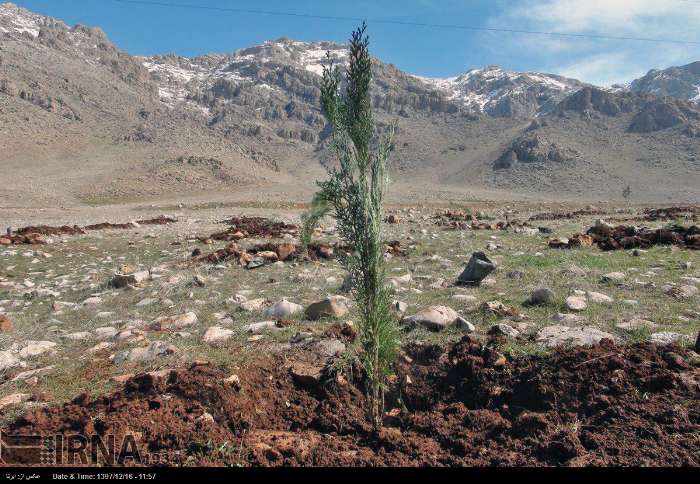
(306, 374)
(199, 281)
(146, 353)
(478, 267)
(255, 262)
(464, 325)
(216, 335)
(180, 321)
(682, 292)
(256, 328)
(36, 348)
(146, 302)
(497, 308)
(668, 337)
(14, 399)
(105, 332)
(568, 319)
(282, 309)
(5, 323)
(399, 281)
(503, 330)
(557, 335)
(80, 336)
(253, 305)
(636, 324)
(613, 277)
(100, 346)
(285, 251)
(559, 243)
(434, 318)
(541, 296)
(329, 347)
(122, 280)
(92, 301)
(399, 306)
(466, 299)
(8, 360)
(330, 307)
(697, 344)
(598, 298)
(576, 303)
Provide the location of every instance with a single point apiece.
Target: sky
(425, 51)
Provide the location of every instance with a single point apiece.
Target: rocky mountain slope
(682, 82)
(82, 120)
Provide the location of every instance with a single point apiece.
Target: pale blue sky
(151, 29)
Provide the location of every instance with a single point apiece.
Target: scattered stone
(568, 319)
(92, 301)
(399, 306)
(329, 347)
(466, 299)
(216, 335)
(497, 308)
(106, 332)
(146, 353)
(613, 277)
(306, 374)
(36, 348)
(14, 399)
(464, 325)
(199, 281)
(541, 296)
(5, 323)
(668, 337)
(180, 321)
(682, 292)
(434, 318)
(557, 335)
(503, 330)
(122, 280)
(253, 305)
(598, 298)
(256, 328)
(80, 336)
(636, 324)
(100, 346)
(282, 309)
(478, 267)
(8, 360)
(330, 307)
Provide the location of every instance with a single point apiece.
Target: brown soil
(467, 405)
(671, 213)
(256, 227)
(566, 215)
(37, 234)
(630, 237)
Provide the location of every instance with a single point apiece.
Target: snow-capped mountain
(491, 90)
(500, 92)
(181, 79)
(681, 82)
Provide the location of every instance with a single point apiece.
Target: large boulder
(478, 267)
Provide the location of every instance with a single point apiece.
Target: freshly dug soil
(257, 227)
(630, 237)
(460, 406)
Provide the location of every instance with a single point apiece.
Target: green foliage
(354, 194)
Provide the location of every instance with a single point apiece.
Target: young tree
(354, 194)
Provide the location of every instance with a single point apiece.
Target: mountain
(681, 82)
(503, 93)
(82, 121)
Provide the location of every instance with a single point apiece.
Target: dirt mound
(269, 252)
(37, 234)
(161, 220)
(257, 227)
(566, 215)
(630, 237)
(671, 213)
(467, 405)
